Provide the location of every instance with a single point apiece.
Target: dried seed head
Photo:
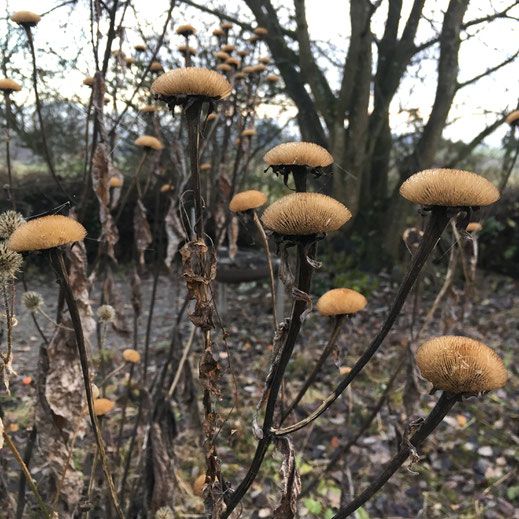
(8, 85)
(226, 26)
(265, 60)
(46, 232)
(224, 67)
(140, 48)
(449, 187)
(156, 66)
(460, 365)
(259, 68)
(164, 513)
(32, 301)
(186, 30)
(247, 200)
(260, 31)
(106, 313)
(132, 356)
(10, 262)
(218, 32)
(205, 166)
(513, 118)
(26, 18)
(130, 61)
(273, 78)
(115, 182)
(221, 55)
(299, 154)
(305, 213)
(9, 222)
(192, 82)
(184, 48)
(474, 227)
(340, 301)
(149, 108)
(243, 53)
(88, 81)
(103, 406)
(148, 141)
(166, 187)
(228, 48)
(249, 132)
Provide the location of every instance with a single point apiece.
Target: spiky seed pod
(474, 227)
(9, 222)
(149, 108)
(8, 85)
(166, 187)
(299, 154)
(450, 188)
(218, 32)
(26, 18)
(302, 214)
(221, 55)
(247, 200)
(228, 48)
(513, 118)
(224, 67)
(45, 233)
(249, 132)
(191, 81)
(103, 406)
(140, 48)
(156, 66)
(226, 26)
(88, 81)
(115, 182)
(130, 61)
(186, 30)
(184, 48)
(234, 62)
(148, 141)
(131, 356)
(243, 53)
(10, 262)
(259, 68)
(32, 301)
(265, 60)
(205, 166)
(341, 301)
(164, 513)
(273, 78)
(260, 31)
(106, 313)
(460, 365)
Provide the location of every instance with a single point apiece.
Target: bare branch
(488, 71)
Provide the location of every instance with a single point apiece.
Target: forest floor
(468, 468)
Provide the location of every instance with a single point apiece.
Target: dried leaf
(174, 231)
(1, 433)
(291, 481)
(113, 172)
(112, 296)
(141, 230)
(136, 292)
(299, 295)
(233, 237)
(210, 373)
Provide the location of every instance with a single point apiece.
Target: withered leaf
(174, 231)
(141, 230)
(210, 373)
(291, 481)
(233, 236)
(112, 296)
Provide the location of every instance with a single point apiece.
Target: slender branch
(27, 455)
(10, 193)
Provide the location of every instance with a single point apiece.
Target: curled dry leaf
(291, 481)
(210, 373)
(174, 231)
(112, 297)
(136, 292)
(141, 230)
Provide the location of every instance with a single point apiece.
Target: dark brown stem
(27, 455)
(299, 173)
(437, 414)
(123, 414)
(57, 262)
(438, 220)
(10, 193)
(339, 319)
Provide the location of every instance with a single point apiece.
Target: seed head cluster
(32, 301)
(106, 313)
(341, 301)
(10, 262)
(9, 222)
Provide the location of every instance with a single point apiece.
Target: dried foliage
(142, 231)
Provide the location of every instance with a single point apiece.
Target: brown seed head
(228, 48)
(513, 118)
(184, 48)
(88, 81)
(192, 82)
(449, 187)
(9, 222)
(10, 262)
(298, 153)
(265, 60)
(305, 213)
(150, 108)
(226, 26)
(273, 78)
(131, 356)
(186, 30)
(221, 55)
(103, 406)
(115, 182)
(26, 18)
(8, 85)
(460, 365)
(46, 232)
(243, 53)
(224, 67)
(156, 66)
(249, 132)
(140, 48)
(260, 31)
(148, 141)
(247, 200)
(340, 301)
(474, 227)
(218, 32)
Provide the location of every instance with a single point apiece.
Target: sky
(474, 106)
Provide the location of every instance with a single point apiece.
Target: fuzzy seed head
(140, 48)
(186, 30)
(273, 78)
(26, 18)
(10, 262)
(115, 182)
(450, 188)
(149, 108)
(32, 301)
(106, 313)
(164, 513)
(461, 365)
(131, 356)
(474, 227)
(192, 81)
(299, 154)
(156, 66)
(249, 132)
(46, 232)
(221, 55)
(247, 200)
(9, 222)
(148, 141)
(305, 213)
(103, 406)
(341, 301)
(8, 85)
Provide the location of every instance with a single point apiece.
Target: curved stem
(123, 414)
(269, 261)
(10, 193)
(435, 417)
(27, 455)
(56, 259)
(339, 319)
(438, 220)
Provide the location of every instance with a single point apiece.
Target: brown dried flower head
(10, 262)
(224, 67)
(449, 187)
(115, 182)
(247, 200)
(88, 81)
(460, 365)
(32, 301)
(26, 18)
(46, 232)
(340, 301)
(9, 222)
(228, 48)
(260, 31)
(156, 66)
(298, 154)
(191, 81)
(273, 78)
(103, 406)
(249, 132)
(186, 30)
(474, 227)
(513, 118)
(164, 512)
(140, 48)
(106, 313)
(131, 356)
(305, 213)
(8, 85)
(205, 166)
(184, 49)
(218, 32)
(149, 108)
(226, 26)
(148, 141)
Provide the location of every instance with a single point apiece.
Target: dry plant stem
(304, 279)
(56, 259)
(269, 261)
(9, 313)
(123, 414)
(12, 447)
(435, 417)
(101, 345)
(182, 362)
(438, 220)
(339, 319)
(127, 193)
(10, 193)
(46, 151)
(27, 455)
(299, 173)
